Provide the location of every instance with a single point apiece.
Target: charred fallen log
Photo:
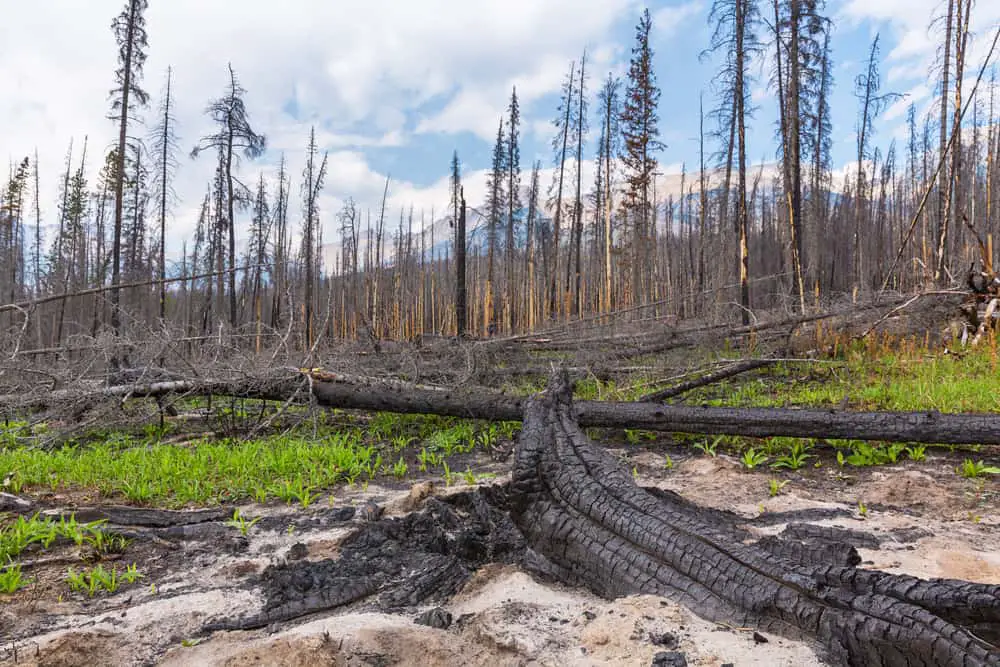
(372, 395)
(587, 523)
(571, 513)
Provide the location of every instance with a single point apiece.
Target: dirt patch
(501, 615)
(912, 489)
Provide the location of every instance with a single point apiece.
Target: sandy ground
(502, 616)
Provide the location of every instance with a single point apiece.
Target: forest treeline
(738, 238)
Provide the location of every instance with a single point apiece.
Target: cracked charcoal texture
(400, 562)
(571, 513)
(587, 523)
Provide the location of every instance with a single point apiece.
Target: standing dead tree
(234, 137)
(130, 33)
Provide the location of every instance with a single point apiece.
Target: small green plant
(132, 574)
(427, 459)
(668, 463)
(240, 523)
(893, 451)
(509, 429)
(709, 448)
(77, 580)
(972, 469)
(795, 459)
(96, 579)
(399, 469)
(297, 491)
(917, 452)
(862, 510)
(470, 477)
(752, 458)
(447, 473)
(12, 579)
(776, 486)
(402, 442)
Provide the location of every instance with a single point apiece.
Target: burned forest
(686, 354)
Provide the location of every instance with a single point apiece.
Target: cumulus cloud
(365, 73)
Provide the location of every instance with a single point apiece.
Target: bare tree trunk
(460, 285)
(557, 219)
(944, 181)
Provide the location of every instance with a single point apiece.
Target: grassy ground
(295, 466)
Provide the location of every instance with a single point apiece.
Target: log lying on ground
(570, 512)
(589, 524)
(928, 427)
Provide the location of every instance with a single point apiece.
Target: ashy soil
(930, 521)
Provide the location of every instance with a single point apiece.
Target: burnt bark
(571, 513)
(587, 523)
(393, 563)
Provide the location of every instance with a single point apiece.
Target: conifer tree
(312, 184)
(609, 147)
(235, 136)
(164, 145)
(560, 145)
(640, 132)
(580, 128)
(513, 165)
(130, 32)
(529, 250)
(495, 209)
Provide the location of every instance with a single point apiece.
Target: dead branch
(710, 378)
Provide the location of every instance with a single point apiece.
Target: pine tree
(560, 144)
(495, 208)
(609, 147)
(867, 89)
(513, 165)
(640, 132)
(257, 249)
(580, 127)
(529, 251)
(235, 136)
(312, 184)
(944, 179)
(130, 32)
(458, 219)
(800, 44)
(164, 145)
(281, 241)
(68, 264)
(12, 230)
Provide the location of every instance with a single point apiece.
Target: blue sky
(394, 86)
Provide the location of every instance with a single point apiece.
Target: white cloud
(916, 37)
(669, 19)
(344, 64)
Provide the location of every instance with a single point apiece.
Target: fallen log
(930, 427)
(588, 524)
(571, 513)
